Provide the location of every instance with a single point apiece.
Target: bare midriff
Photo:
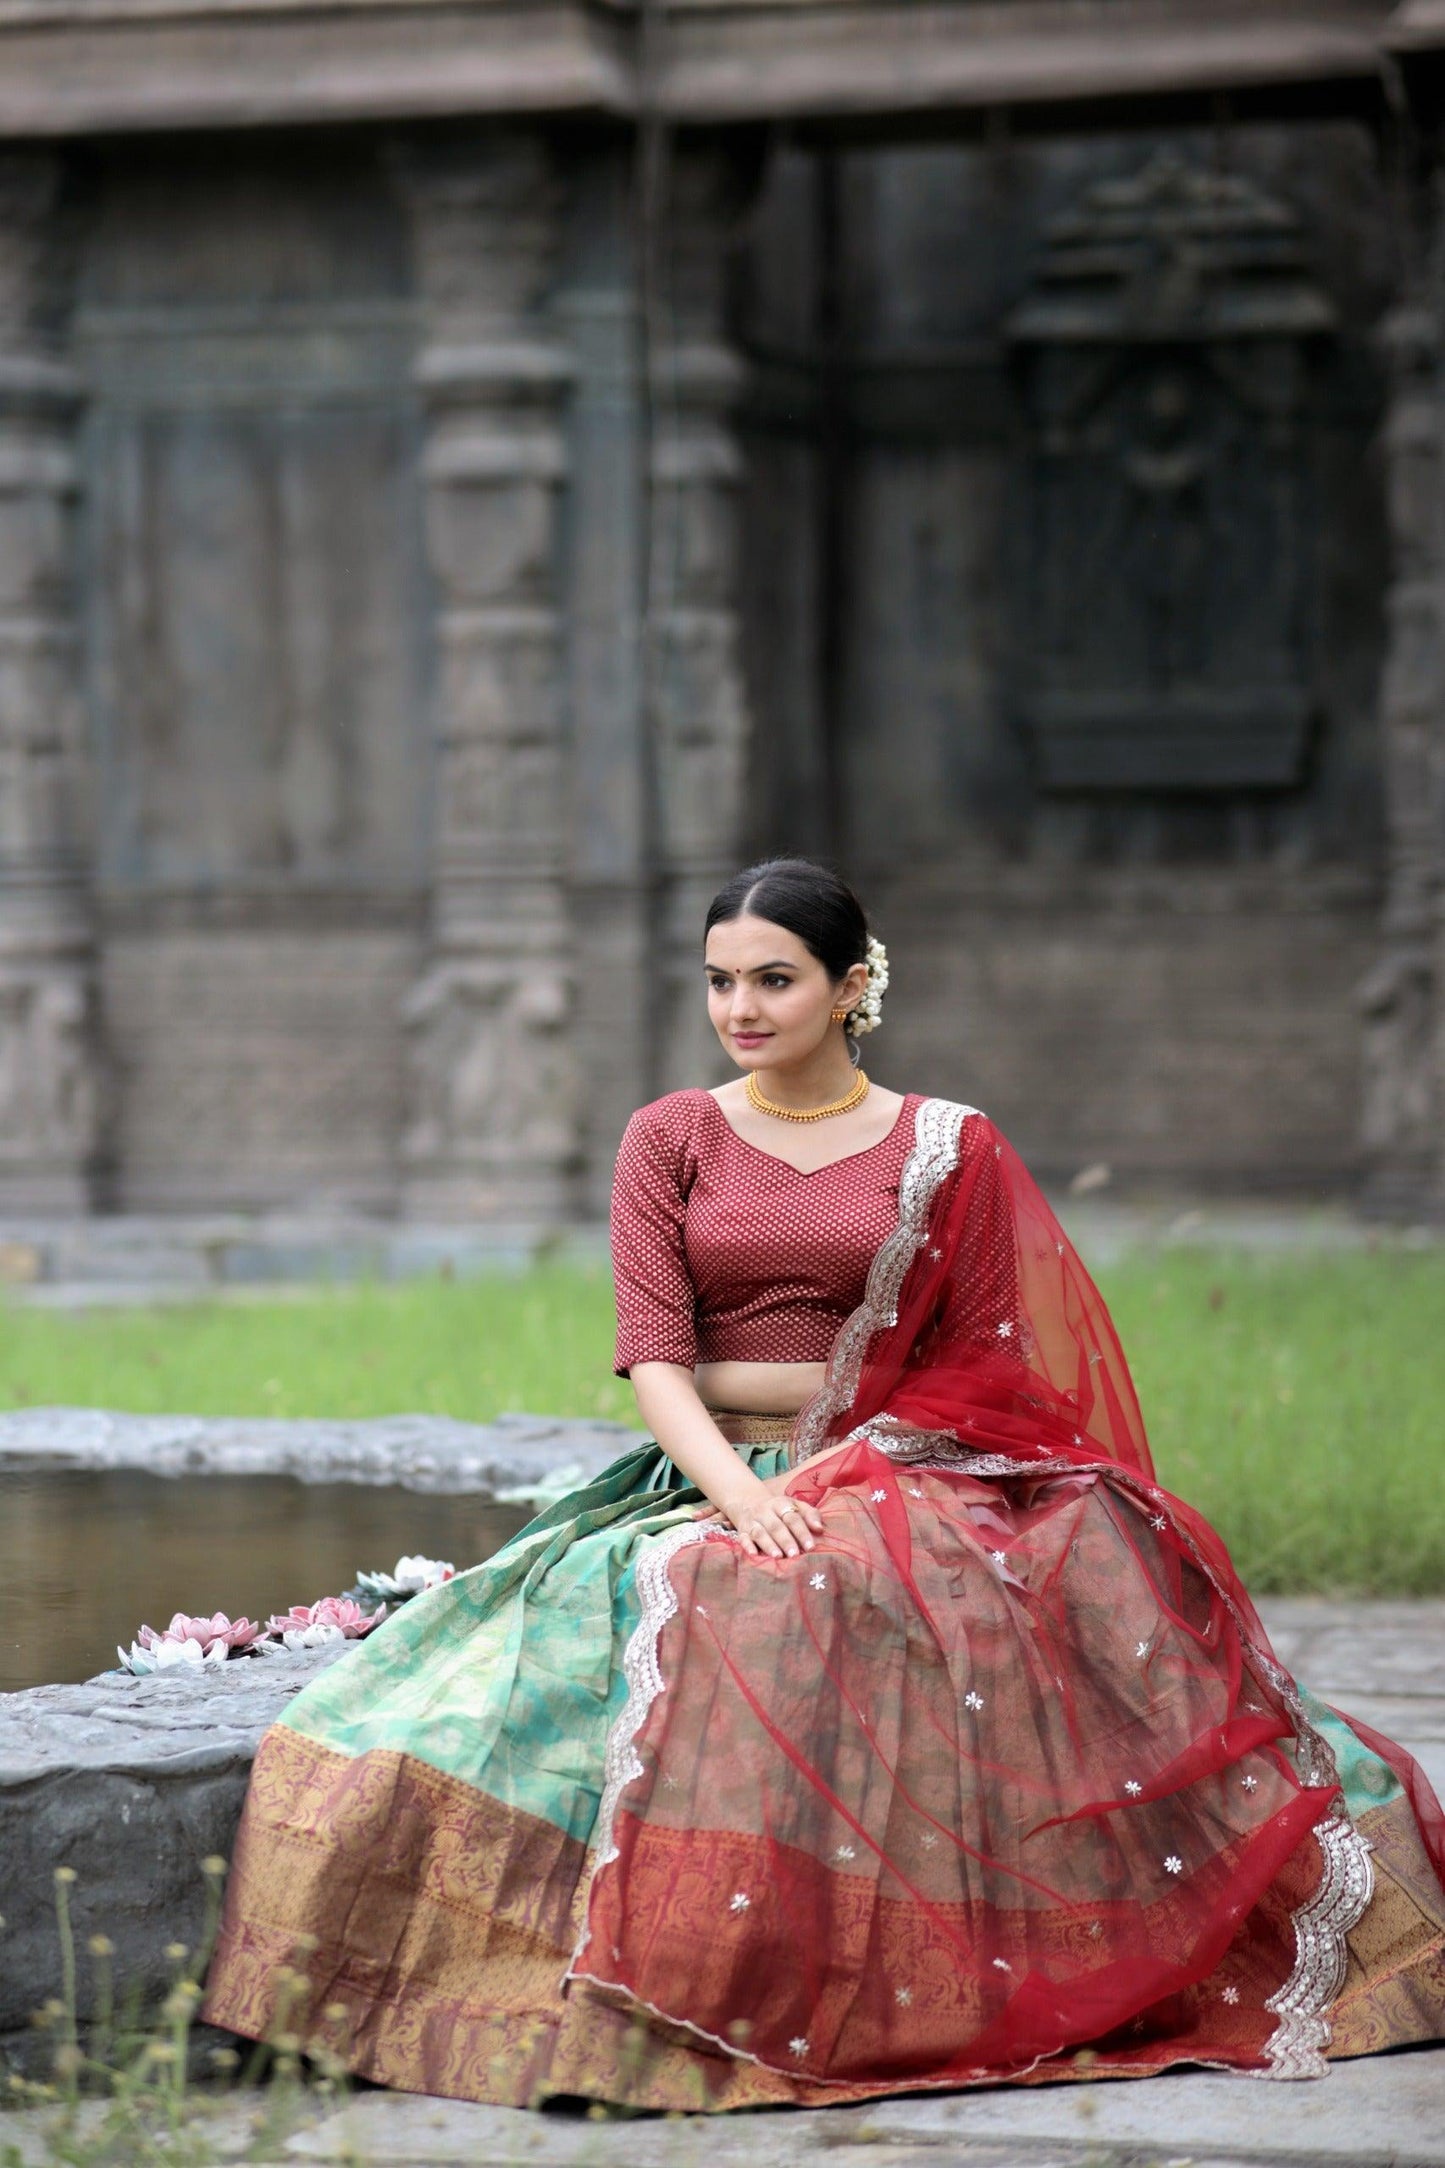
(758, 1388)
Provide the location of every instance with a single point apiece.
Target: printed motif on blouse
(723, 1253)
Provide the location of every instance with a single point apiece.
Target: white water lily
(408, 1577)
(311, 1637)
(164, 1653)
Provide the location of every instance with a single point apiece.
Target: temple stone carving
(493, 1119)
(1168, 584)
(50, 1097)
(471, 477)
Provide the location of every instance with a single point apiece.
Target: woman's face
(769, 998)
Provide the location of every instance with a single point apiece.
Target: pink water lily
(190, 1641)
(312, 1625)
(215, 1631)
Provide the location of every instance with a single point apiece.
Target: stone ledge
(416, 1452)
(132, 1783)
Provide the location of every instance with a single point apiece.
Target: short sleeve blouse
(722, 1252)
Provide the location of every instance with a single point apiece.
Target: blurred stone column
(1404, 1028)
(49, 1062)
(697, 690)
(493, 1121)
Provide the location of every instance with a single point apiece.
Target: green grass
(1299, 1401)
(541, 1341)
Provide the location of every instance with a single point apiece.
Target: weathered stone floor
(1384, 2112)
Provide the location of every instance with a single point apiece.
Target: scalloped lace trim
(1297, 2047)
(640, 1667)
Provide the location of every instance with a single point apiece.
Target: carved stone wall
(493, 1116)
(254, 607)
(1150, 960)
(50, 1076)
(1400, 995)
(405, 836)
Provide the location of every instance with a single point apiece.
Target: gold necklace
(857, 1092)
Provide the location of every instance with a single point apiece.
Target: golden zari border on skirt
(452, 1977)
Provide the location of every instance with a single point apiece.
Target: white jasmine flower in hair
(869, 1013)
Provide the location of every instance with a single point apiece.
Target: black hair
(806, 899)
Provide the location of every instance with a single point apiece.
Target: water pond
(85, 1558)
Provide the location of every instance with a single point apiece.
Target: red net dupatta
(1004, 1768)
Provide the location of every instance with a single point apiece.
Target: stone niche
(1166, 587)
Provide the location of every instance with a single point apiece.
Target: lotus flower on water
(190, 1641)
(313, 1625)
(408, 1577)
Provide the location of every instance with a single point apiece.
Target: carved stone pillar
(493, 1107)
(700, 701)
(49, 1067)
(1404, 1029)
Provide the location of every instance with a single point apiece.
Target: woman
(883, 1725)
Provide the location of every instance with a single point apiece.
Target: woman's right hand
(772, 1525)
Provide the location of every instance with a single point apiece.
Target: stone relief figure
(493, 1082)
(49, 1101)
(1163, 462)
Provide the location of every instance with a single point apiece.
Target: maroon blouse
(723, 1253)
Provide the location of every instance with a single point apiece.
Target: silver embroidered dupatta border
(937, 1127)
(1346, 1885)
